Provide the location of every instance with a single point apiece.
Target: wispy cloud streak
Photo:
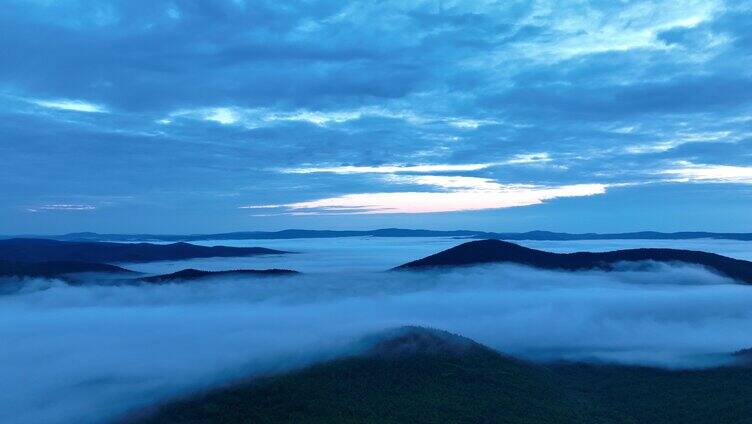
(704, 173)
(388, 169)
(459, 194)
(71, 105)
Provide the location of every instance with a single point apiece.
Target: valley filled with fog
(325, 255)
(93, 352)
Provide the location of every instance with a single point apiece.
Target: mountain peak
(415, 340)
(475, 252)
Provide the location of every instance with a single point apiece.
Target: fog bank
(360, 254)
(94, 352)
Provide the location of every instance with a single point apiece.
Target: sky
(225, 115)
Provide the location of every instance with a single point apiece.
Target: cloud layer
(151, 109)
(95, 352)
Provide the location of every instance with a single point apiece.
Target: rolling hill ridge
(497, 251)
(37, 250)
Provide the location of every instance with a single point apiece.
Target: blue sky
(205, 116)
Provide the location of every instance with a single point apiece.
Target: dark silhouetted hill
(55, 269)
(416, 375)
(413, 340)
(37, 250)
(195, 274)
(497, 251)
(744, 356)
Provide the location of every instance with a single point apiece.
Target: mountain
(409, 375)
(14, 274)
(639, 235)
(195, 274)
(263, 235)
(744, 356)
(55, 269)
(70, 272)
(497, 251)
(399, 232)
(37, 250)
(413, 340)
(417, 375)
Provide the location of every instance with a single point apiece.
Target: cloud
(389, 169)
(447, 182)
(63, 207)
(703, 173)
(608, 91)
(528, 158)
(315, 117)
(222, 115)
(466, 123)
(260, 117)
(518, 159)
(71, 105)
(459, 194)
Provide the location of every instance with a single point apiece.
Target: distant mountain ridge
(497, 251)
(22, 259)
(399, 232)
(191, 274)
(13, 274)
(39, 250)
(55, 269)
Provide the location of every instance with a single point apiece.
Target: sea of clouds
(92, 353)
